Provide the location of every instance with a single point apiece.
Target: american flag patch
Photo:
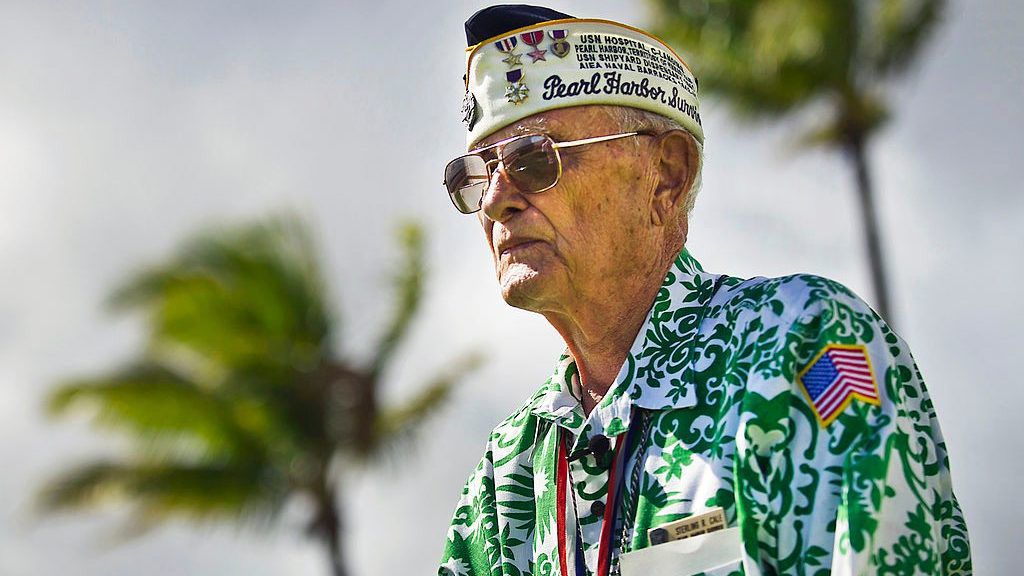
(836, 376)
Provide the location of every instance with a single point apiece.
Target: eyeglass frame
(554, 146)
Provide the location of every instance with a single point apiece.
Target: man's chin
(523, 286)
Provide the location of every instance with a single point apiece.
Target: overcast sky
(126, 125)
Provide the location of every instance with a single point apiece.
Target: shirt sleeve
(897, 513)
(472, 545)
(839, 473)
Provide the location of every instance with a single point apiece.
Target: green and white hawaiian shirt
(732, 379)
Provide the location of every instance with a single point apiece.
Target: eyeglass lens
(531, 163)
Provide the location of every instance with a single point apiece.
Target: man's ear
(677, 163)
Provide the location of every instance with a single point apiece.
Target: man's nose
(502, 199)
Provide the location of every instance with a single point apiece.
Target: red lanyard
(612, 504)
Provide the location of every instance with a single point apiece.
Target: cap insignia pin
(516, 92)
(507, 46)
(469, 107)
(559, 45)
(513, 59)
(532, 39)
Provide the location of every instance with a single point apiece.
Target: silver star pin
(513, 60)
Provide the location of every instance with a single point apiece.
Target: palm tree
(239, 401)
(773, 58)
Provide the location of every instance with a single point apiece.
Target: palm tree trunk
(857, 154)
(334, 549)
(328, 528)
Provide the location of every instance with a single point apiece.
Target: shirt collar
(657, 373)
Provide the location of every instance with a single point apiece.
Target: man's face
(575, 242)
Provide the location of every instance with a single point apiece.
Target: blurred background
(219, 326)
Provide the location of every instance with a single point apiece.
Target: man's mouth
(517, 244)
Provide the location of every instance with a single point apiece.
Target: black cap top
(494, 20)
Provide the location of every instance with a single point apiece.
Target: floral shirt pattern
(715, 370)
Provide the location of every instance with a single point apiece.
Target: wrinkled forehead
(562, 124)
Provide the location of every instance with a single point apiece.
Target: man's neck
(600, 331)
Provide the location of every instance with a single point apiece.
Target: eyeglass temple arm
(569, 144)
(594, 140)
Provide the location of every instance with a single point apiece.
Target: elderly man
(697, 422)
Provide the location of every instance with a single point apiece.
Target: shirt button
(597, 508)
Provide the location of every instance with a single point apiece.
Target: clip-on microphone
(598, 446)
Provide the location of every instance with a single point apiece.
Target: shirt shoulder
(805, 339)
(784, 300)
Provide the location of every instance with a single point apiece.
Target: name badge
(710, 521)
(712, 553)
